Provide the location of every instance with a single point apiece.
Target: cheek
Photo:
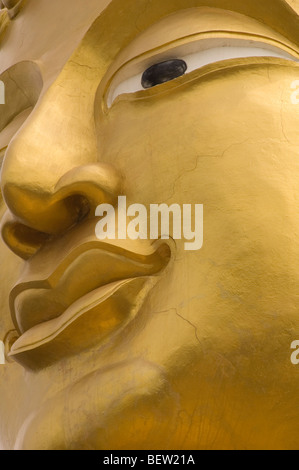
(156, 140)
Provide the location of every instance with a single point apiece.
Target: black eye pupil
(163, 72)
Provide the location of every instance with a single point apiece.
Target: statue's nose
(51, 178)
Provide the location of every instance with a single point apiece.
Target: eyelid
(205, 49)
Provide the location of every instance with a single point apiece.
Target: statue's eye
(163, 72)
(156, 70)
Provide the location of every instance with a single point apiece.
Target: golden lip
(107, 295)
(47, 331)
(87, 323)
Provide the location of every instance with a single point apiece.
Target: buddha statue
(139, 343)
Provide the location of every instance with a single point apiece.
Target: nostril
(22, 240)
(25, 241)
(49, 214)
(81, 205)
(78, 206)
(35, 215)
(54, 211)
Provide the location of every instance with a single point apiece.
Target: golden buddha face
(139, 344)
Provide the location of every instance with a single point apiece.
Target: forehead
(49, 32)
(121, 20)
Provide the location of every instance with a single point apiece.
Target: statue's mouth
(77, 291)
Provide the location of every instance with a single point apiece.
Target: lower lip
(87, 323)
